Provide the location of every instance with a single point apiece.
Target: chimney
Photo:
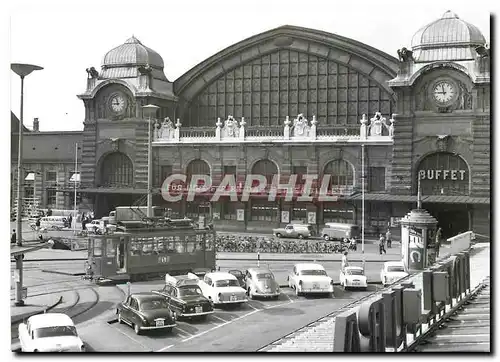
(36, 125)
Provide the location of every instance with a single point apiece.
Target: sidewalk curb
(27, 315)
(62, 273)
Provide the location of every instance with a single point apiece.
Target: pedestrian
(437, 243)
(40, 237)
(388, 237)
(37, 224)
(345, 262)
(381, 244)
(13, 237)
(84, 222)
(70, 220)
(49, 212)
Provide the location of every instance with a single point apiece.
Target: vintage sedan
(310, 278)
(145, 311)
(353, 277)
(239, 275)
(392, 271)
(185, 298)
(260, 282)
(222, 288)
(50, 332)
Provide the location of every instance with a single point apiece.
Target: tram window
(135, 247)
(170, 247)
(97, 247)
(190, 247)
(162, 245)
(179, 247)
(209, 242)
(148, 247)
(110, 248)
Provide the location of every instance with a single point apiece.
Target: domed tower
(443, 123)
(115, 132)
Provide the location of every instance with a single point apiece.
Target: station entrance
(452, 218)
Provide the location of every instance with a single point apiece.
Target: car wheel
(301, 236)
(278, 235)
(137, 329)
(326, 237)
(168, 330)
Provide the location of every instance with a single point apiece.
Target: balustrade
(374, 130)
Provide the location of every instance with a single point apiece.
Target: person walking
(437, 243)
(37, 224)
(13, 237)
(388, 237)
(381, 244)
(345, 262)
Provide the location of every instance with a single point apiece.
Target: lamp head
(23, 70)
(149, 110)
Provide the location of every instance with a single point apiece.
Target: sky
(66, 40)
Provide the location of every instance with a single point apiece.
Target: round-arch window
(341, 174)
(117, 170)
(197, 167)
(443, 173)
(265, 168)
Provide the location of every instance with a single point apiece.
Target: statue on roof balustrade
(166, 129)
(300, 126)
(231, 128)
(377, 123)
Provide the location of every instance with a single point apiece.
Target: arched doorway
(341, 182)
(116, 172)
(260, 208)
(446, 174)
(200, 206)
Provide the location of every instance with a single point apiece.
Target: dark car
(239, 275)
(145, 311)
(185, 298)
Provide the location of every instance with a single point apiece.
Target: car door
(133, 311)
(289, 231)
(175, 303)
(123, 309)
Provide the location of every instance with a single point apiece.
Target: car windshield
(313, 272)
(227, 283)
(396, 268)
(153, 304)
(236, 273)
(187, 291)
(58, 331)
(265, 276)
(354, 272)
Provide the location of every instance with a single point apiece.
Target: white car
(392, 271)
(221, 288)
(50, 332)
(309, 278)
(353, 277)
(93, 226)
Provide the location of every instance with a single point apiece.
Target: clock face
(117, 103)
(444, 92)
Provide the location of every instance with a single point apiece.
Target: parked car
(222, 288)
(185, 298)
(239, 275)
(260, 282)
(339, 231)
(145, 311)
(53, 222)
(301, 231)
(353, 277)
(310, 278)
(392, 271)
(50, 332)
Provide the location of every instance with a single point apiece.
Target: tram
(146, 251)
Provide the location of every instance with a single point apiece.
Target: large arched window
(117, 170)
(444, 173)
(341, 175)
(197, 167)
(265, 168)
(199, 206)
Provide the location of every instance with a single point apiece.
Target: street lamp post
(22, 70)
(150, 109)
(363, 203)
(75, 180)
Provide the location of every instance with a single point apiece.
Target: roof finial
(450, 15)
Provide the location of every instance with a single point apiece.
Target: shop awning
(455, 199)
(30, 177)
(75, 177)
(383, 197)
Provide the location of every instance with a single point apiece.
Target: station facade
(290, 101)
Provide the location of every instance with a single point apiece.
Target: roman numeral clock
(117, 104)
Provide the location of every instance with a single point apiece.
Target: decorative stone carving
(377, 122)
(363, 132)
(443, 142)
(391, 126)
(242, 128)
(115, 144)
(405, 55)
(464, 98)
(218, 125)
(166, 131)
(177, 132)
(300, 126)
(231, 128)
(92, 73)
(312, 131)
(421, 98)
(286, 131)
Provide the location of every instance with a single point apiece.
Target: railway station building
(289, 101)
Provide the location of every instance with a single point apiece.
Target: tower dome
(448, 38)
(123, 61)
